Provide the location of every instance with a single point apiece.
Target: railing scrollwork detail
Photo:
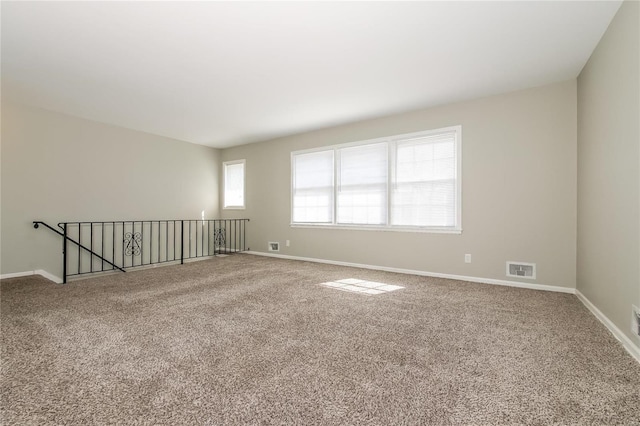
(132, 243)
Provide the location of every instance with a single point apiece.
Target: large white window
(408, 182)
(234, 184)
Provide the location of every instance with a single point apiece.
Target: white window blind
(313, 187)
(362, 184)
(410, 181)
(234, 184)
(424, 185)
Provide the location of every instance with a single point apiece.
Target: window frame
(244, 184)
(391, 142)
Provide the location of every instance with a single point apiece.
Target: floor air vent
(521, 270)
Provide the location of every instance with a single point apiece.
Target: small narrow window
(234, 184)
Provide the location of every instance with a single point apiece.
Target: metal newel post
(182, 242)
(64, 254)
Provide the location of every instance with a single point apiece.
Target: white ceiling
(229, 73)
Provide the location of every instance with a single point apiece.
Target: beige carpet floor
(252, 340)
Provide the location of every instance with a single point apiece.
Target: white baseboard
(41, 272)
(531, 286)
(48, 276)
(16, 275)
(628, 344)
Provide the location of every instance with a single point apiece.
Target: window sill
(233, 208)
(455, 231)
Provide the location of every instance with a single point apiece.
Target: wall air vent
(521, 270)
(274, 246)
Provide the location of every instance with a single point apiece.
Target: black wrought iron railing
(90, 247)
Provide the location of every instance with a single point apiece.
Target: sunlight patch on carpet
(361, 286)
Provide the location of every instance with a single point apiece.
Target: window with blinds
(313, 187)
(362, 185)
(424, 185)
(408, 181)
(234, 184)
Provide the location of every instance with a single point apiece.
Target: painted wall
(59, 168)
(518, 184)
(609, 171)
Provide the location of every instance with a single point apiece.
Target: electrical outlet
(635, 320)
(288, 243)
(467, 258)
